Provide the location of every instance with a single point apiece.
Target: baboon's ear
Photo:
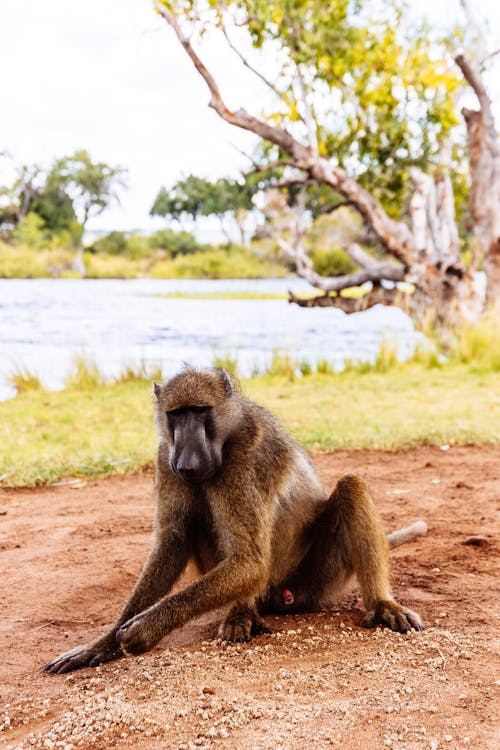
(157, 389)
(226, 382)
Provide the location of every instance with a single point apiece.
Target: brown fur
(260, 524)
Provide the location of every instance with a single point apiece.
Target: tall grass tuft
(324, 367)
(84, 374)
(357, 366)
(427, 355)
(387, 357)
(226, 362)
(140, 373)
(282, 365)
(305, 367)
(479, 344)
(24, 380)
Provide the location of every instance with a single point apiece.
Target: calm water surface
(46, 323)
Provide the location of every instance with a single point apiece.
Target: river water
(46, 323)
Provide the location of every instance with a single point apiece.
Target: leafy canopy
(91, 186)
(196, 196)
(377, 88)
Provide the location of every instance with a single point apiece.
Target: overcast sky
(111, 77)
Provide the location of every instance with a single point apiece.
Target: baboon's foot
(241, 624)
(394, 616)
(84, 656)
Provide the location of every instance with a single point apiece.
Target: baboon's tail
(395, 538)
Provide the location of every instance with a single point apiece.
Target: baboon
(240, 497)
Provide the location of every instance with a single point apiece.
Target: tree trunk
(484, 162)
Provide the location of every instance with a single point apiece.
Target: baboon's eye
(184, 409)
(200, 409)
(176, 412)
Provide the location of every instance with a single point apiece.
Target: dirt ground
(70, 554)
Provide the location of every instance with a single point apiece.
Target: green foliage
(91, 186)
(55, 207)
(111, 267)
(123, 244)
(61, 198)
(332, 262)
(174, 243)
(29, 233)
(196, 196)
(381, 87)
(114, 243)
(24, 263)
(235, 263)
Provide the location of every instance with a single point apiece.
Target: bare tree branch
(308, 116)
(331, 209)
(245, 62)
(489, 56)
(474, 79)
(472, 22)
(240, 118)
(292, 181)
(361, 257)
(393, 235)
(270, 166)
(376, 272)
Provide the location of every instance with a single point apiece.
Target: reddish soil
(69, 556)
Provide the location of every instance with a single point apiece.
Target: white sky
(111, 77)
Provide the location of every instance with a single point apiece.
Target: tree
(17, 198)
(63, 196)
(195, 196)
(364, 106)
(91, 186)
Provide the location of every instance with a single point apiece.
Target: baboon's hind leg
(346, 539)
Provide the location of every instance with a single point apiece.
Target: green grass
(408, 406)
(91, 431)
(94, 429)
(229, 295)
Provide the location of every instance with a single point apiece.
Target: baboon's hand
(241, 624)
(394, 616)
(90, 655)
(139, 634)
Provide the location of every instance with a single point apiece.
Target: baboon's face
(195, 454)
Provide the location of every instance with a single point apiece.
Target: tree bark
(484, 161)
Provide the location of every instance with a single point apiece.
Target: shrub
(332, 262)
(235, 263)
(175, 243)
(110, 267)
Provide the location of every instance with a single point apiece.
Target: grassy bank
(91, 429)
(218, 262)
